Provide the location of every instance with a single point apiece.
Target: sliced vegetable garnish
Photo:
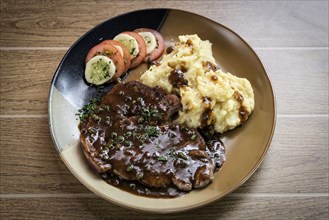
(132, 47)
(129, 42)
(99, 70)
(150, 41)
(160, 46)
(123, 51)
(111, 52)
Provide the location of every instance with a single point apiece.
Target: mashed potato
(209, 96)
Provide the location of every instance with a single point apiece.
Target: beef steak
(130, 134)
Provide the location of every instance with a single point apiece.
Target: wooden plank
(29, 161)
(293, 73)
(296, 162)
(299, 79)
(60, 23)
(228, 208)
(25, 80)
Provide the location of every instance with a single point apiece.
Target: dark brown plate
(246, 145)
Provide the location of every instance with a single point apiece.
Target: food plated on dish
(107, 61)
(245, 146)
(160, 136)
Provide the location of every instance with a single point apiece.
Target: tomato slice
(111, 52)
(126, 54)
(142, 49)
(158, 51)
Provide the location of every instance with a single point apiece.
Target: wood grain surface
(232, 207)
(261, 23)
(291, 39)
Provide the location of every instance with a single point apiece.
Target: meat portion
(136, 99)
(131, 135)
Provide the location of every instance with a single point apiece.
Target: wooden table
(291, 38)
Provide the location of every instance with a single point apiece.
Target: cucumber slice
(130, 43)
(99, 70)
(150, 41)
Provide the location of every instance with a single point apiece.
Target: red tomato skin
(142, 49)
(111, 52)
(126, 54)
(158, 51)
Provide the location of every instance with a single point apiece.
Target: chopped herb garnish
(147, 168)
(128, 98)
(156, 113)
(132, 50)
(172, 152)
(149, 62)
(148, 113)
(127, 143)
(104, 156)
(132, 186)
(139, 175)
(193, 137)
(140, 120)
(158, 145)
(182, 155)
(162, 158)
(133, 134)
(120, 139)
(100, 109)
(129, 169)
(96, 118)
(88, 109)
(172, 134)
(91, 131)
(114, 135)
(152, 131)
